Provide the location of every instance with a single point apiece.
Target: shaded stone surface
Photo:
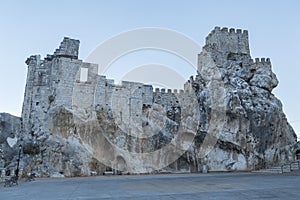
(10, 130)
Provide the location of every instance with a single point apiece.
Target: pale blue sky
(37, 27)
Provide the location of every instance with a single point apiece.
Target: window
(84, 74)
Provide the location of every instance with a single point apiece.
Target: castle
(57, 77)
(254, 133)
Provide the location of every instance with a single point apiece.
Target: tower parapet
(262, 61)
(229, 40)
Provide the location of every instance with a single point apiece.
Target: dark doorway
(298, 154)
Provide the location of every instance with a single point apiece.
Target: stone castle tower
(83, 125)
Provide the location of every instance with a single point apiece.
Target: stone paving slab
(175, 186)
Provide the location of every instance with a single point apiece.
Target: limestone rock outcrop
(256, 133)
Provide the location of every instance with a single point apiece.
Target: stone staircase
(284, 168)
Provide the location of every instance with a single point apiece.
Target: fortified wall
(55, 81)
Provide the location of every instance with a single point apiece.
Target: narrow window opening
(84, 74)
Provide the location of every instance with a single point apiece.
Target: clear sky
(37, 27)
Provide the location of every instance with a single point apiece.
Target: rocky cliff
(225, 118)
(255, 132)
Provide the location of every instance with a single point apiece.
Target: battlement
(262, 61)
(221, 41)
(229, 40)
(217, 29)
(68, 48)
(170, 91)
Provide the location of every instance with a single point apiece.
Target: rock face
(10, 129)
(256, 133)
(225, 118)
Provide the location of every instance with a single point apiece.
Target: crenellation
(191, 79)
(217, 28)
(262, 61)
(48, 57)
(224, 29)
(169, 90)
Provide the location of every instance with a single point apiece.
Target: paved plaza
(170, 186)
